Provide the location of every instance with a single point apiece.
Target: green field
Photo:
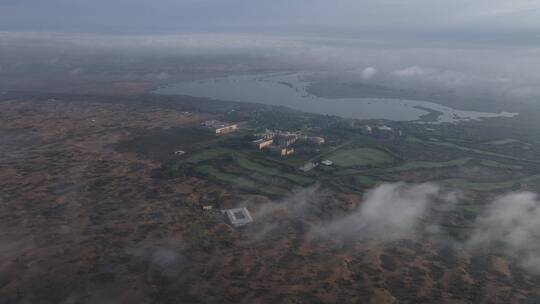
(207, 155)
(477, 151)
(505, 141)
(245, 170)
(417, 165)
(360, 157)
(494, 164)
(271, 170)
(238, 181)
(365, 181)
(477, 186)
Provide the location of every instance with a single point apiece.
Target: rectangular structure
(238, 217)
(219, 127)
(308, 166)
(262, 143)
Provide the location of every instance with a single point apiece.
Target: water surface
(289, 90)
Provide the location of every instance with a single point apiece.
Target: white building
(308, 166)
(238, 217)
(262, 143)
(219, 127)
(327, 162)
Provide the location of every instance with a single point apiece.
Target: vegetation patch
(360, 157)
(207, 155)
(494, 164)
(417, 165)
(478, 186)
(505, 141)
(366, 181)
(238, 181)
(271, 170)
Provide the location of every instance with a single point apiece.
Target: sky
(121, 16)
(487, 48)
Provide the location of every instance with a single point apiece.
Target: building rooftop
(385, 128)
(308, 166)
(262, 140)
(216, 124)
(238, 217)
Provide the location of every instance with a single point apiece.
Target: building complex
(219, 127)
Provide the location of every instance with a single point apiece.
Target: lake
(289, 90)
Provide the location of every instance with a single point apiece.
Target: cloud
(368, 73)
(167, 257)
(413, 71)
(422, 64)
(389, 212)
(511, 224)
(162, 76)
(276, 14)
(297, 203)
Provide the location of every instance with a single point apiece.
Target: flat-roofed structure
(317, 140)
(262, 143)
(219, 127)
(238, 217)
(308, 166)
(286, 139)
(282, 151)
(327, 162)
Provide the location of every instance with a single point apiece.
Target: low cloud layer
(166, 258)
(368, 73)
(388, 212)
(508, 226)
(511, 224)
(167, 15)
(467, 67)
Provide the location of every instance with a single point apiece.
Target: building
(385, 128)
(308, 166)
(316, 140)
(267, 134)
(287, 151)
(327, 162)
(282, 151)
(262, 143)
(238, 217)
(286, 139)
(219, 127)
(385, 132)
(368, 130)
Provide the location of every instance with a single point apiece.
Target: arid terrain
(255, 152)
(84, 220)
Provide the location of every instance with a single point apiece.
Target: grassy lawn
(472, 209)
(349, 172)
(505, 141)
(416, 165)
(360, 157)
(494, 164)
(271, 170)
(245, 161)
(239, 181)
(207, 155)
(477, 186)
(365, 181)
